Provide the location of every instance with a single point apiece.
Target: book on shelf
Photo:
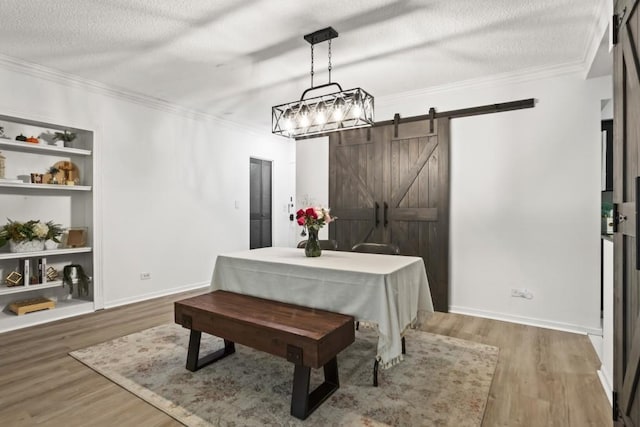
(23, 268)
(42, 270)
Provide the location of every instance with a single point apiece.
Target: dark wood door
(355, 187)
(626, 192)
(416, 198)
(393, 187)
(259, 203)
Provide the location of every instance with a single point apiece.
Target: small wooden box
(29, 305)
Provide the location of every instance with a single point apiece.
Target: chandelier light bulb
(288, 120)
(321, 114)
(304, 116)
(338, 109)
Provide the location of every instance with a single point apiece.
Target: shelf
(27, 147)
(64, 309)
(67, 204)
(47, 187)
(6, 290)
(50, 252)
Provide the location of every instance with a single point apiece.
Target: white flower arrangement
(31, 230)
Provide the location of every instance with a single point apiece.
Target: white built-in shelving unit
(72, 206)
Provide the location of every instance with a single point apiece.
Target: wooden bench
(307, 337)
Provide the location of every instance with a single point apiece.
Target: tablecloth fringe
(391, 362)
(415, 323)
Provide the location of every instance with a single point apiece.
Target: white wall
(167, 181)
(312, 182)
(604, 346)
(525, 198)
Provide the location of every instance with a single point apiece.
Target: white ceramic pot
(50, 244)
(26, 245)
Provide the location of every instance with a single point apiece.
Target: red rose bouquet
(313, 218)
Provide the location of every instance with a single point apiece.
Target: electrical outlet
(145, 276)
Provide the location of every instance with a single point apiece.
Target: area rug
(442, 381)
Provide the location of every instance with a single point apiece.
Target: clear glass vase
(312, 248)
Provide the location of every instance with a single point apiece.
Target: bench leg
(194, 363)
(304, 403)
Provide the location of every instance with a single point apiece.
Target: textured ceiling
(235, 59)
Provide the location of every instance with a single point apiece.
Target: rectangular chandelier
(346, 109)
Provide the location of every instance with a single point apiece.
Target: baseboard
(606, 385)
(165, 292)
(597, 343)
(541, 323)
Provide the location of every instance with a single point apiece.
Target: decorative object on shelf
(76, 237)
(2, 165)
(2, 135)
(74, 275)
(42, 271)
(346, 109)
(26, 246)
(51, 177)
(21, 137)
(36, 178)
(27, 236)
(52, 274)
(13, 279)
(33, 140)
(64, 137)
(313, 219)
(52, 239)
(50, 244)
(67, 173)
(68, 168)
(29, 305)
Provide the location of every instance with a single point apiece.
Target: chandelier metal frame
(345, 109)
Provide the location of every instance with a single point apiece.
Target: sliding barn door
(416, 198)
(389, 186)
(626, 192)
(355, 185)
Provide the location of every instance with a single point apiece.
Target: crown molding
(535, 73)
(71, 80)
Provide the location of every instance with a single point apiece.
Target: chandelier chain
(329, 61)
(312, 66)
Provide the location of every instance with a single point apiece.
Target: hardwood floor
(543, 377)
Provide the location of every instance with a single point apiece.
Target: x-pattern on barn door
(390, 184)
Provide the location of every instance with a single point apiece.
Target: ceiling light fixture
(346, 109)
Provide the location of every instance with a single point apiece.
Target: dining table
(389, 292)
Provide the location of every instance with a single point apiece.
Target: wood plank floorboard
(543, 377)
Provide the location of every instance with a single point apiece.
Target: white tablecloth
(390, 291)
